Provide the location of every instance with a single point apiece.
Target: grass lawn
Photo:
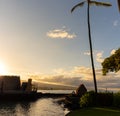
(95, 112)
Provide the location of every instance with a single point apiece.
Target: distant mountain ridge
(52, 86)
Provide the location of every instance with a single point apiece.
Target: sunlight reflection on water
(41, 107)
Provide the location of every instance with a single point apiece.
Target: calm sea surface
(41, 107)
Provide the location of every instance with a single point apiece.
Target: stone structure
(81, 90)
(13, 84)
(27, 86)
(8, 83)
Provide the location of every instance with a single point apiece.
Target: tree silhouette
(119, 4)
(90, 2)
(111, 63)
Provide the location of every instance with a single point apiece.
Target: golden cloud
(60, 34)
(81, 74)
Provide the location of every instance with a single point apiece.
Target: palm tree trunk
(91, 51)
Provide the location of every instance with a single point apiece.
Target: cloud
(116, 23)
(99, 57)
(73, 77)
(60, 71)
(60, 34)
(81, 70)
(77, 71)
(87, 53)
(112, 52)
(80, 74)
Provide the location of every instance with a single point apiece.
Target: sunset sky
(43, 39)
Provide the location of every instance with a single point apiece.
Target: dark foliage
(72, 102)
(88, 99)
(92, 99)
(104, 99)
(111, 63)
(116, 101)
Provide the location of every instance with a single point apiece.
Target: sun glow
(3, 69)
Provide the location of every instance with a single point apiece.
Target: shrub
(105, 99)
(88, 99)
(116, 100)
(101, 99)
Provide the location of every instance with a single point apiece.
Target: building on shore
(13, 84)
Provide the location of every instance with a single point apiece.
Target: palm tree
(90, 2)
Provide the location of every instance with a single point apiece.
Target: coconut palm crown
(91, 2)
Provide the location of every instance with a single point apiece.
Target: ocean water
(40, 107)
(56, 91)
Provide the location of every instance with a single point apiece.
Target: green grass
(95, 112)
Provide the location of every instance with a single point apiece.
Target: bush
(116, 100)
(88, 99)
(105, 99)
(101, 99)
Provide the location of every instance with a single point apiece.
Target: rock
(81, 90)
(72, 100)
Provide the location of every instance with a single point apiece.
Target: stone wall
(9, 83)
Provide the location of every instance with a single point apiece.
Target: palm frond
(78, 5)
(100, 3)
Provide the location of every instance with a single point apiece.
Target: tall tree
(90, 2)
(111, 63)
